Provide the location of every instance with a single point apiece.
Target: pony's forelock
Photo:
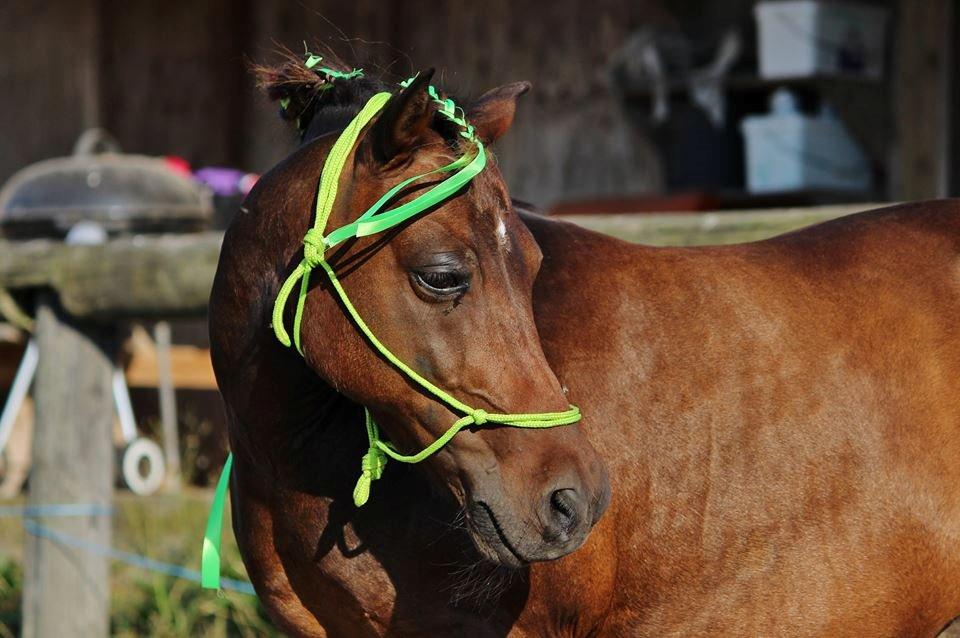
(318, 106)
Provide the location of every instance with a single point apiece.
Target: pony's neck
(289, 425)
(319, 438)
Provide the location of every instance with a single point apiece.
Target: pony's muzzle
(564, 510)
(567, 513)
(536, 507)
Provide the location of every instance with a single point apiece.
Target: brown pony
(780, 421)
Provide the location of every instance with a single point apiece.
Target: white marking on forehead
(502, 235)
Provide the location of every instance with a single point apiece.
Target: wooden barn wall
(169, 78)
(172, 77)
(569, 139)
(48, 78)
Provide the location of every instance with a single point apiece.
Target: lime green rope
(374, 220)
(313, 241)
(472, 416)
(372, 464)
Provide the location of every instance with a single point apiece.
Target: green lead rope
(210, 556)
(373, 221)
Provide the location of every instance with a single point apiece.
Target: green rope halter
(315, 245)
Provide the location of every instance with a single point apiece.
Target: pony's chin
(497, 543)
(490, 538)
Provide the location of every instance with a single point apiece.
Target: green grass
(168, 528)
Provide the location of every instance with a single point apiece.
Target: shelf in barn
(752, 83)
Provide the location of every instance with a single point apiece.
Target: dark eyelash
(442, 280)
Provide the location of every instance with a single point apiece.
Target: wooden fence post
(163, 340)
(67, 590)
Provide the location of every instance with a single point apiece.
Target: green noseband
(374, 220)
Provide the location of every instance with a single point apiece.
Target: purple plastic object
(226, 181)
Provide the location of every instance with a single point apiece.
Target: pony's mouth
(490, 538)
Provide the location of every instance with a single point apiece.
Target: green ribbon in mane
(374, 220)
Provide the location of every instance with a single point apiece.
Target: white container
(789, 151)
(802, 38)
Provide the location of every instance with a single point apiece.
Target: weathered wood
(175, 87)
(711, 228)
(189, 365)
(133, 277)
(66, 590)
(169, 276)
(168, 405)
(86, 64)
(922, 98)
(48, 77)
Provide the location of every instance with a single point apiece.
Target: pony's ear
(492, 114)
(404, 120)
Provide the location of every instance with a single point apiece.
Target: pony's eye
(442, 283)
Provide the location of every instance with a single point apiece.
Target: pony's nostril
(564, 512)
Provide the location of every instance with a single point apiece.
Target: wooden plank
(922, 97)
(190, 365)
(171, 78)
(168, 405)
(48, 78)
(67, 590)
(162, 276)
(190, 368)
(683, 229)
(170, 276)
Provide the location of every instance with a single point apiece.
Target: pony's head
(449, 293)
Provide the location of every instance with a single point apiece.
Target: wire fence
(31, 512)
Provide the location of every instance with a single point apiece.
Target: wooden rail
(142, 276)
(168, 276)
(695, 229)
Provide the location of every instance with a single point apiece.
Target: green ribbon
(210, 555)
(314, 60)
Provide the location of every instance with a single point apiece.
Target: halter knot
(313, 247)
(371, 466)
(373, 463)
(479, 416)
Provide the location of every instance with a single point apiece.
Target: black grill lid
(122, 193)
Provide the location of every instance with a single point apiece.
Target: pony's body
(782, 426)
(779, 421)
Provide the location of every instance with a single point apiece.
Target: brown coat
(778, 420)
